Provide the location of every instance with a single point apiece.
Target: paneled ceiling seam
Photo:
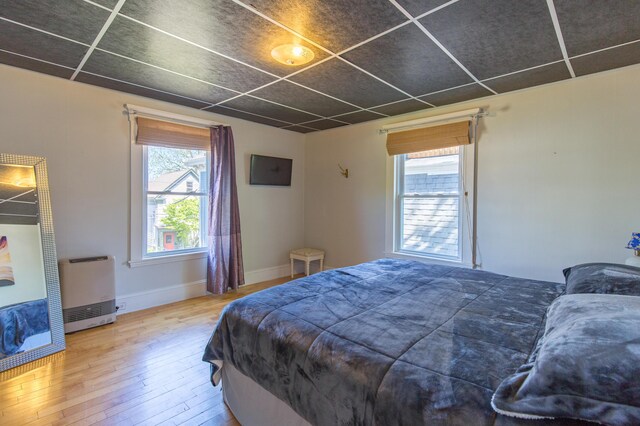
(167, 70)
(284, 27)
(143, 86)
(286, 106)
(43, 31)
(556, 26)
(604, 49)
(36, 59)
(517, 72)
(441, 46)
(101, 34)
(288, 123)
(97, 5)
(184, 40)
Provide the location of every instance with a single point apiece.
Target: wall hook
(344, 172)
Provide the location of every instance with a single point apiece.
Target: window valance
(429, 138)
(171, 135)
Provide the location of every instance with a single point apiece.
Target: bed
(389, 342)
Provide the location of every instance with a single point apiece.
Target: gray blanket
(388, 342)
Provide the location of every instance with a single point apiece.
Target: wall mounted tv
(270, 170)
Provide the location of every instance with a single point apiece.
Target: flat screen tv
(270, 170)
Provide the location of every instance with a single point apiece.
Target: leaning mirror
(31, 325)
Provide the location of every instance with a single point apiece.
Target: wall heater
(88, 287)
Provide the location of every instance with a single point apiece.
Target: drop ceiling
(373, 58)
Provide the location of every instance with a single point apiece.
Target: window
(428, 202)
(175, 190)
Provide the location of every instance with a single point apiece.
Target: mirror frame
(56, 323)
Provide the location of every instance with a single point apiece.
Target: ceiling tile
(334, 24)
(595, 25)
(33, 65)
(299, 129)
(358, 117)
(298, 97)
(411, 62)
(245, 116)
(403, 107)
(496, 37)
(215, 25)
(324, 124)
(126, 37)
(418, 7)
(607, 59)
(137, 90)
(74, 19)
(108, 65)
(270, 110)
(18, 39)
(460, 94)
(342, 81)
(530, 78)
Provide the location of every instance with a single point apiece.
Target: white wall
(557, 179)
(84, 135)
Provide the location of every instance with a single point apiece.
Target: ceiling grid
(373, 58)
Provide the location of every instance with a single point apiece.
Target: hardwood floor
(145, 369)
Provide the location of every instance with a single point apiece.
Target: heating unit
(88, 287)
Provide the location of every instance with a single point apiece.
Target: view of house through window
(176, 184)
(429, 199)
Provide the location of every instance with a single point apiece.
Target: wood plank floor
(145, 369)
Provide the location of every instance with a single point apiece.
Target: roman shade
(172, 135)
(428, 138)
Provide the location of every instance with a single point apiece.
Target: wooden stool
(307, 255)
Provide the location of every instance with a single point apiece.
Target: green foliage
(183, 216)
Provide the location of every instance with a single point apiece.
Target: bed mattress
(389, 342)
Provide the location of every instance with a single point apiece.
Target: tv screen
(270, 170)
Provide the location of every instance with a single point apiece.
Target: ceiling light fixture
(292, 54)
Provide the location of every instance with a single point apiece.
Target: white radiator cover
(88, 287)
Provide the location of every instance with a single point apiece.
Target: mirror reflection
(24, 313)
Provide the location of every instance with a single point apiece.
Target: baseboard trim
(176, 293)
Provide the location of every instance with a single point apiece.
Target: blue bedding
(388, 342)
(20, 321)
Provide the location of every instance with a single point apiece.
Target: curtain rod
(171, 117)
(422, 122)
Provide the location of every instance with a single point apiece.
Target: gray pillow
(604, 278)
(586, 366)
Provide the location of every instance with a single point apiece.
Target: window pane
(174, 222)
(432, 172)
(176, 170)
(430, 225)
(431, 202)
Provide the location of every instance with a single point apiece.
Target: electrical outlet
(122, 306)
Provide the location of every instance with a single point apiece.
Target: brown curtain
(224, 261)
(428, 138)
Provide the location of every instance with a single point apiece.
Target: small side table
(306, 255)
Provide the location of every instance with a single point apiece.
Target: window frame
(145, 255)
(393, 232)
(136, 182)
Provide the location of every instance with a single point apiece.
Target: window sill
(169, 258)
(428, 259)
